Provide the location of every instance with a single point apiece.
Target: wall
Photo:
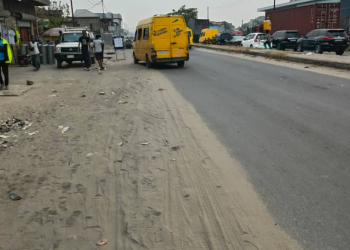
(305, 18)
(86, 22)
(16, 6)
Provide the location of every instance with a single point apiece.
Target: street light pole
(274, 5)
(71, 4)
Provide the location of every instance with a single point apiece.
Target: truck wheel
(59, 64)
(148, 62)
(181, 64)
(93, 61)
(135, 59)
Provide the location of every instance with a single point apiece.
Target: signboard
(267, 25)
(118, 43)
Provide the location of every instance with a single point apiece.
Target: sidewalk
(326, 59)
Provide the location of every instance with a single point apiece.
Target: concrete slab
(15, 90)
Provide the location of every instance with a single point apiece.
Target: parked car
(254, 40)
(236, 39)
(221, 38)
(321, 40)
(129, 43)
(285, 39)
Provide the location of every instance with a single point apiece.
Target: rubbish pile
(7, 140)
(13, 124)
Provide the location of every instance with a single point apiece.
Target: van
(207, 35)
(190, 37)
(161, 39)
(67, 48)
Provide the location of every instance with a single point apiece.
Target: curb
(330, 64)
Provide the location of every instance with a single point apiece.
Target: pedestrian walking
(268, 40)
(34, 50)
(84, 41)
(5, 61)
(98, 48)
(103, 46)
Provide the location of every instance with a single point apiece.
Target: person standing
(98, 47)
(84, 41)
(5, 60)
(34, 50)
(268, 40)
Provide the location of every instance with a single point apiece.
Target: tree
(54, 15)
(187, 13)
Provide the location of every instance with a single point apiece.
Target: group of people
(85, 48)
(35, 51)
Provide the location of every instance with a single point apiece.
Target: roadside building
(304, 15)
(19, 16)
(98, 22)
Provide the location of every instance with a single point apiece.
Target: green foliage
(187, 13)
(53, 16)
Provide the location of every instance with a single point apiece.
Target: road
(290, 130)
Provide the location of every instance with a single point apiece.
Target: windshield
(71, 37)
(292, 35)
(340, 33)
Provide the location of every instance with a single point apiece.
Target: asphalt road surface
(290, 129)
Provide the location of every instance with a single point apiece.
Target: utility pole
(103, 10)
(208, 12)
(71, 5)
(274, 5)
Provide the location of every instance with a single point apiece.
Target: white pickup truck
(67, 48)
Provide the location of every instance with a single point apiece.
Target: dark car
(321, 40)
(285, 39)
(128, 43)
(221, 38)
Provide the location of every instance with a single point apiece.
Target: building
(345, 15)
(304, 15)
(98, 22)
(20, 16)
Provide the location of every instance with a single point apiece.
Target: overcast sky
(233, 11)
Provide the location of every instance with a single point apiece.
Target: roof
(150, 19)
(84, 13)
(109, 15)
(297, 3)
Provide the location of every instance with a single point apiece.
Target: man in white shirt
(34, 50)
(98, 47)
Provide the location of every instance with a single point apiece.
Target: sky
(232, 11)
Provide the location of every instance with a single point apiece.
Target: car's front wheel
(318, 49)
(279, 46)
(300, 48)
(148, 62)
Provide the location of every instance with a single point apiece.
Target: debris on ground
(4, 136)
(122, 102)
(102, 242)
(309, 54)
(175, 148)
(14, 197)
(120, 143)
(54, 95)
(54, 90)
(83, 96)
(306, 67)
(30, 82)
(101, 93)
(145, 143)
(65, 129)
(33, 133)
(161, 89)
(13, 124)
(173, 159)
(89, 155)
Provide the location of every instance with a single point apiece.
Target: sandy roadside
(180, 190)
